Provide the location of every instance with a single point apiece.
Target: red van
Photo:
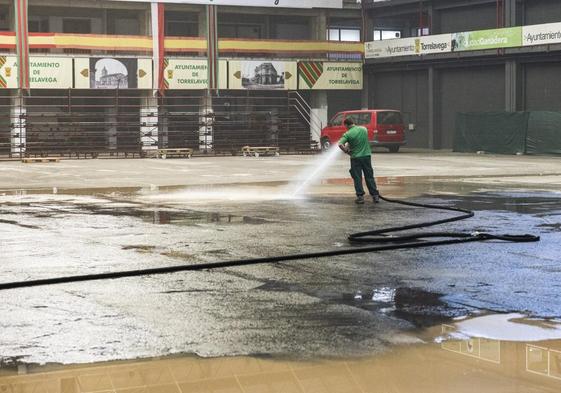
(385, 128)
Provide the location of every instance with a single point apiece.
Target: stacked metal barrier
(86, 123)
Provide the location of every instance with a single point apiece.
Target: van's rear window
(360, 119)
(389, 118)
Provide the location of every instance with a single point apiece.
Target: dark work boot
(359, 200)
(376, 198)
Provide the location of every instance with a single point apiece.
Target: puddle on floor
(63, 206)
(441, 361)
(420, 308)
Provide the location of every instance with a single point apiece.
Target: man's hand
(345, 149)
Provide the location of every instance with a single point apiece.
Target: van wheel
(325, 145)
(393, 149)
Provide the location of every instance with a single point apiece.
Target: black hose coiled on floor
(379, 236)
(407, 241)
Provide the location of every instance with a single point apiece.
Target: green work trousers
(359, 166)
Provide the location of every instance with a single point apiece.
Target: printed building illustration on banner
(112, 73)
(45, 72)
(319, 75)
(108, 73)
(262, 75)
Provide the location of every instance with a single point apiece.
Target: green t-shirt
(357, 137)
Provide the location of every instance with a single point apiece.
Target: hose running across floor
(377, 239)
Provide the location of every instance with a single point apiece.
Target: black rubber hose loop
(407, 241)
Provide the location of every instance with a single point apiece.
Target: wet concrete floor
(323, 307)
(341, 307)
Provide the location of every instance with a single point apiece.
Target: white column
(154, 12)
(319, 113)
(149, 124)
(206, 122)
(18, 127)
(111, 129)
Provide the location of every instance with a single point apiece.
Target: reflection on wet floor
(459, 365)
(190, 218)
(64, 206)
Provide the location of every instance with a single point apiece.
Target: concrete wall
(474, 17)
(542, 11)
(406, 91)
(342, 100)
(5, 18)
(448, 16)
(474, 89)
(291, 28)
(543, 87)
(55, 18)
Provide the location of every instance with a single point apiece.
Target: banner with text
(254, 3)
(320, 75)
(262, 75)
(487, 39)
(390, 48)
(44, 72)
(549, 33)
(429, 44)
(187, 74)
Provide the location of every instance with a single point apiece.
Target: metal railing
(305, 110)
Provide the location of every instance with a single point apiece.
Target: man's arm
(343, 144)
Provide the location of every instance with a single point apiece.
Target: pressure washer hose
(378, 240)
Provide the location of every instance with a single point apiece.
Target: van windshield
(389, 118)
(337, 120)
(360, 119)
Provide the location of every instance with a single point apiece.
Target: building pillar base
(149, 124)
(18, 127)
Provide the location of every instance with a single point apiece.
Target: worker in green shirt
(355, 143)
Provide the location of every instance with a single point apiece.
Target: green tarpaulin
(508, 132)
(544, 133)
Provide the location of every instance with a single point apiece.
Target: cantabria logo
(311, 71)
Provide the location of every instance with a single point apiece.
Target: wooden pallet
(181, 152)
(260, 150)
(30, 160)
